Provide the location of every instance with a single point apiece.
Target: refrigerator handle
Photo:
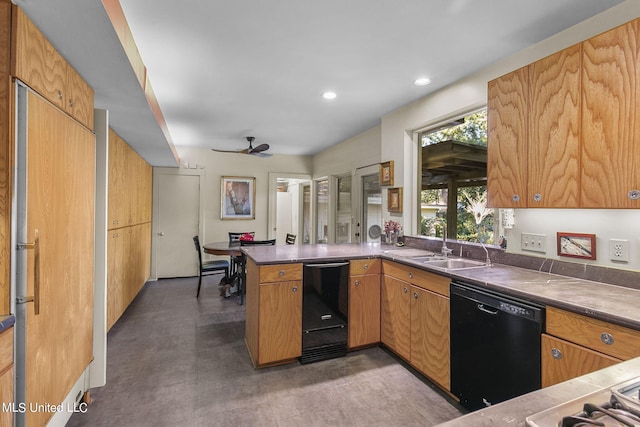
(35, 246)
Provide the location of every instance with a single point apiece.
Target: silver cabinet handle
(537, 197)
(415, 295)
(366, 266)
(281, 273)
(405, 290)
(515, 198)
(607, 338)
(556, 354)
(357, 283)
(410, 275)
(294, 289)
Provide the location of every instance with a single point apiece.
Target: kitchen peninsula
(274, 276)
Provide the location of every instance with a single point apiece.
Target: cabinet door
(364, 310)
(507, 140)
(562, 360)
(280, 322)
(116, 273)
(554, 130)
(395, 319)
(610, 117)
(6, 396)
(36, 61)
(79, 102)
(430, 335)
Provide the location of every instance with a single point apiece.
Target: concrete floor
(174, 360)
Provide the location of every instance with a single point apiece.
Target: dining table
(231, 249)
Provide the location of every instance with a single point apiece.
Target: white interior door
(284, 220)
(178, 222)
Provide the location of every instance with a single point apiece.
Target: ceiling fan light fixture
(422, 81)
(329, 95)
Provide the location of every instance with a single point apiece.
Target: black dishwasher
(495, 346)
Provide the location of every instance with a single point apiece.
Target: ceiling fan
(257, 151)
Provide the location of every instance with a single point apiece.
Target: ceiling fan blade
(260, 148)
(262, 155)
(225, 151)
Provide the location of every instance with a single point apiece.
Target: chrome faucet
(445, 251)
(487, 262)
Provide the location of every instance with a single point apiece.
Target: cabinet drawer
(6, 349)
(280, 273)
(424, 279)
(613, 340)
(562, 360)
(364, 266)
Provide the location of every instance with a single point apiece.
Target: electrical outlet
(534, 242)
(619, 250)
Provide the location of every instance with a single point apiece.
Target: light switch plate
(534, 242)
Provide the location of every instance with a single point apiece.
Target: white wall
(215, 165)
(604, 223)
(361, 150)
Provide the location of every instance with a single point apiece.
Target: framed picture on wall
(577, 245)
(238, 197)
(394, 199)
(386, 173)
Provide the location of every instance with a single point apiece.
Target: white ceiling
(223, 70)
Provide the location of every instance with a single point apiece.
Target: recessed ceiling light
(329, 95)
(422, 81)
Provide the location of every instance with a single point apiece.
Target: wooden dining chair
(234, 237)
(209, 267)
(242, 268)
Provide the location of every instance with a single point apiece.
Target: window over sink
(453, 178)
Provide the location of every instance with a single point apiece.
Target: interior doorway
(368, 201)
(286, 197)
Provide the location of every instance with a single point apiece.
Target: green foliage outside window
(472, 131)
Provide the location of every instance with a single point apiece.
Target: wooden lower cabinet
(562, 360)
(6, 375)
(395, 316)
(364, 303)
(364, 310)
(274, 313)
(575, 345)
(129, 266)
(414, 321)
(430, 335)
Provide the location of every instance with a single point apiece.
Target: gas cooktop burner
(612, 407)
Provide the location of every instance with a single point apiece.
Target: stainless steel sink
(454, 264)
(428, 258)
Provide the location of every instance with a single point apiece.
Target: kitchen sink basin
(454, 264)
(428, 258)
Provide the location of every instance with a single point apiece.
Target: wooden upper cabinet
(610, 118)
(79, 99)
(554, 130)
(507, 140)
(130, 185)
(37, 63)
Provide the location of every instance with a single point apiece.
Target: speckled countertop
(612, 303)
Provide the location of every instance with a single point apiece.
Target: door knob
(161, 233)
